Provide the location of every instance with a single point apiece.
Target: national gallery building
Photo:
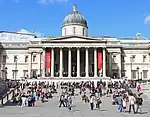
(74, 54)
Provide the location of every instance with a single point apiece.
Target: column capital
(61, 47)
(87, 47)
(78, 47)
(40, 52)
(69, 47)
(95, 47)
(30, 52)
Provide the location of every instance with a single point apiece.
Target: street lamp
(131, 58)
(138, 72)
(141, 76)
(5, 74)
(15, 61)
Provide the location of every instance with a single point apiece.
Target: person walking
(124, 103)
(69, 102)
(98, 102)
(66, 99)
(23, 100)
(132, 101)
(61, 101)
(92, 102)
(139, 103)
(120, 103)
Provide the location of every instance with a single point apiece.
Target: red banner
(100, 60)
(48, 59)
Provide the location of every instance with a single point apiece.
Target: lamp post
(5, 74)
(138, 72)
(15, 61)
(131, 65)
(141, 76)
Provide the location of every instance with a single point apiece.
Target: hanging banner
(100, 60)
(48, 59)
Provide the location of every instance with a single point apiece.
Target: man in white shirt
(92, 102)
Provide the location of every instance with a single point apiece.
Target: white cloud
(38, 34)
(147, 19)
(52, 1)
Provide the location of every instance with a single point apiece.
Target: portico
(75, 62)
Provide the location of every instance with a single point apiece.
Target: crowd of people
(91, 93)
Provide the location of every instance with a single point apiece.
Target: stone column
(119, 64)
(43, 70)
(104, 62)
(78, 62)
(52, 62)
(95, 62)
(61, 63)
(110, 64)
(39, 63)
(30, 64)
(87, 63)
(69, 62)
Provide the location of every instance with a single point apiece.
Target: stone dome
(74, 18)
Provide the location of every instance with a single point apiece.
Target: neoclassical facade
(74, 54)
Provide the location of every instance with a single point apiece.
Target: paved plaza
(79, 109)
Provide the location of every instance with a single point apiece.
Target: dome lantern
(74, 8)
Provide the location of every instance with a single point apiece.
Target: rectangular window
(83, 31)
(14, 74)
(25, 73)
(133, 58)
(123, 58)
(144, 58)
(74, 30)
(134, 74)
(34, 58)
(15, 58)
(145, 73)
(4, 59)
(124, 73)
(114, 58)
(26, 59)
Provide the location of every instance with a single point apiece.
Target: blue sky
(119, 18)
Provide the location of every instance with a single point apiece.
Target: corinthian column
(52, 63)
(30, 64)
(78, 62)
(61, 63)
(87, 63)
(104, 62)
(95, 62)
(39, 63)
(43, 70)
(69, 62)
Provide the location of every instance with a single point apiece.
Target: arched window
(74, 30)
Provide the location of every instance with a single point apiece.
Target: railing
(6, 92)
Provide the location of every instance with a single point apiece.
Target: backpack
(139, 101)
(29, 99)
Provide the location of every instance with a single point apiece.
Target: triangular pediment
(74, 39)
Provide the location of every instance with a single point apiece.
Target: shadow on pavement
(103, 110)
(9, 103)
